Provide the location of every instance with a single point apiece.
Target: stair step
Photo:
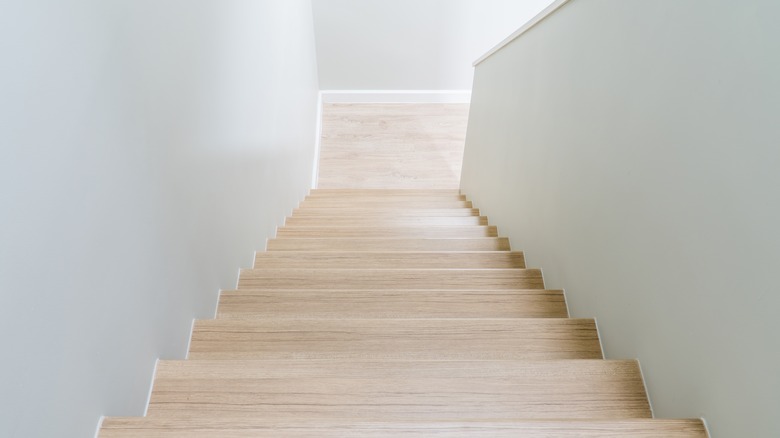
(254, 427)
(362, 221)
(385, 192)
(388, 232)
(455, 279)
(384, 303)
(385, 203)
(439, 339)
(401, 390)
(366, 196)
(389, 260)
(386, 212)
(388, 244)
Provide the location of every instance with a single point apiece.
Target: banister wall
(631, 148)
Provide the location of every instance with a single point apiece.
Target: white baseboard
(396, 96)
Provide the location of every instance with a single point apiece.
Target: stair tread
(246, 427)
(401, 221)
(413, 390)
(386, 212)
(388, 259)
(389, 244)
(387, 303)
(323, 231)
(391, 278)
(410, 338)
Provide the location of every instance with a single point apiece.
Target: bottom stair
(246, 428)
(364, 327)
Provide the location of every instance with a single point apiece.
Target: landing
(405, 146)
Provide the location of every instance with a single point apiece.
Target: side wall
(147, 148)
(410, 44)
(631, 148)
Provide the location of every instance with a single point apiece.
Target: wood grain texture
(384, 303)
(385, 192)
(326, 231)
(392, 145)
(384, 203)
(540, 338)
(402, 390)
(388, 244)
(390, 260)
(455, 279)
(249, 426)
(384, 212)
(387, 221)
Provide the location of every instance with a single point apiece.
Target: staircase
(377, 313)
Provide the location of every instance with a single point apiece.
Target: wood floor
(385, 313)
(412, 146)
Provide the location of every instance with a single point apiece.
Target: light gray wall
(631, 148)
(147, 148)
(410, 44)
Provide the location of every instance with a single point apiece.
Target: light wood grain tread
(382, 204)
(386, 303)
(385, 212)
(389, 221)
(391, 278)
(385, 192)
(390, 260)
(249, 427)
(372, 195)
(478, 338)
(402, 390)
(389, 244)
(388, 231)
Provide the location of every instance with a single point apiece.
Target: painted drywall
(630, 148)
(410, 44)
(147, 148)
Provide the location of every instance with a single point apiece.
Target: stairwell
(375, 313)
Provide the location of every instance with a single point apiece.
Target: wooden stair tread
(389, 244)
(402, 390)
(388, 260)
(388, 231)
(477, 338)
(384, 192)
(247, 427)
(385, 203)
(385, 212)
(386, 303)
(391, 278)
(389, 221)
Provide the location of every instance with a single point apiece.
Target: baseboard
(99, 425)
(396, 96)
(315, 174)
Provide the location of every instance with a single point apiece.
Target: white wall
(410, 44)
(147, 148)
(631, 148)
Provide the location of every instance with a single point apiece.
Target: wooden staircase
(378, 313)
